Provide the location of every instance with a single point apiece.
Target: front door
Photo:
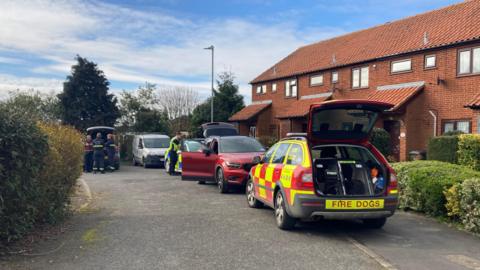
(393, 128)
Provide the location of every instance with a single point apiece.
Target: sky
(162, 41)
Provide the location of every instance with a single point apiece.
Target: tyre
(221, 183)
(283, 219)
(144, 163)
(250, 192)
(117, 166)
(134, 162)
(374, 223)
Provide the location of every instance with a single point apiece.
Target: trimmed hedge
(422, 184)
(469, 151)
(39, 165)
(380, 138)
(463, 203)
(443, 148)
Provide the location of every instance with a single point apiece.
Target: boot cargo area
(347, 170)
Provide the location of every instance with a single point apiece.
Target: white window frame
(291, 88)
(335, 74)
(393, 63)
(274, 87)
(316, 76)
(259, 89)
(361, 80)
(473, 61)
(264, 89)
(430, 56)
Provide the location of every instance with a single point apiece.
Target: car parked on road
(104, 130)
(149, 149)
(188, 145)
(224, 160)
(332, 172)
(219, 129)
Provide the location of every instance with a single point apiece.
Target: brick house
(427, 65)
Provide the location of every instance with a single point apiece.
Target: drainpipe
(434, 122)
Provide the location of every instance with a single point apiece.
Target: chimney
(334, 60)
(425, 38)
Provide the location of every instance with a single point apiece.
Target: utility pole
(211, 100)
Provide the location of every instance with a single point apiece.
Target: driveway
(145, 219)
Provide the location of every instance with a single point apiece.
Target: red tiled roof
(449, 25)
(474, 103)
(300, 108)
(397, 96)
(249, 112)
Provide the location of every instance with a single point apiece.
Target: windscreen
(240, 145)
(192, 146)
(156, 142)
(343, 123)
(220, 132)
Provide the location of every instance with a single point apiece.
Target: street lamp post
(211, 100)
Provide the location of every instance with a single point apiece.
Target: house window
(360, 77)
(253, 131)
(401, 65)
(469, 61)
(259, 89)
(457, 125)
(316, 80)
(264, 89)
(274, 87)
(291, 88)
(335, 77)
(430, 61)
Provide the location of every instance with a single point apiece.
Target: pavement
(145, 219)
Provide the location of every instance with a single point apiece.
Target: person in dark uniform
(98, 154)
(88, 155)
(110, 147)
(173, 152)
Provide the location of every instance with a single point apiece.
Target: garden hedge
(463, 203)
(469, 151)
(443, 148)
(422, 184)
(39, 165)
(380, 138)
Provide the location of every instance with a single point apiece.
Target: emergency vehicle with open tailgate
(332, 172)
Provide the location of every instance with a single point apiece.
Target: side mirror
(207, 151)
(257, 160)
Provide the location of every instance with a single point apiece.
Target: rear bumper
(312, 206)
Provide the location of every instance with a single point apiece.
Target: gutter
(434, 116)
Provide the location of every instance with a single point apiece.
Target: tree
(226, 102)
(177, 101)
(85, 100)
(44, 107)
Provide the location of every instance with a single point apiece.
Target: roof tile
(474, 103)
(249, 112)
(300, 108)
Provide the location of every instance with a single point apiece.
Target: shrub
(63, 166)
(463, 203)
(422, 184)
(443, 148)
(453, 133)
(380, 138)
(469, 151)
(23, 148)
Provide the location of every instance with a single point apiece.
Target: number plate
(354, 204)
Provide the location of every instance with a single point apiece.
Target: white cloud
(137, 46)
(10, 83)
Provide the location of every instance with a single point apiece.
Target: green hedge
(443, 148)
(422, 184)
(463, 203)
(39, 165)
(469, 151)
(380, 138)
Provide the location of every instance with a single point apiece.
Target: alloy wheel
(279, 211)
(250, 193)
(220, 179)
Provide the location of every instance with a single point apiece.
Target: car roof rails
(295, 136)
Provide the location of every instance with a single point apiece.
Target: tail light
(392, 188)
(304, 181)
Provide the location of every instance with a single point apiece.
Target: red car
(225, 160)
(332, 172)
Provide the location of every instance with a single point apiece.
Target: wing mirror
(257, 160)
(207, 151)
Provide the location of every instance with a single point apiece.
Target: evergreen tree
(85, 100)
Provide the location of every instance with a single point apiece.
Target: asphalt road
(145, 219)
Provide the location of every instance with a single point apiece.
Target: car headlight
(233, 165)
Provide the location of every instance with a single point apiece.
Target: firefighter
(98, 154)
(173, 152)
(110, 147)
(88, 155)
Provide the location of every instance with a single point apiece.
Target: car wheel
(221, 183)
(250, 191)
(134, 162)
(117, 166)
(144, 163)
(283, 219)
(374, 223)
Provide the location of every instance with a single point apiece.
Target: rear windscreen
(342, 123)
(220, 132)
(240, 145)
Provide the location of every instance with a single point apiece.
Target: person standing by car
(98, 154)
(110, 147)
(88, 156)
(173, 152)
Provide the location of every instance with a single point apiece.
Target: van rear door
(343, 121)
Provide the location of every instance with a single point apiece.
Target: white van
(149, 149)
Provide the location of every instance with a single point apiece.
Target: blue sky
(161, 41)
